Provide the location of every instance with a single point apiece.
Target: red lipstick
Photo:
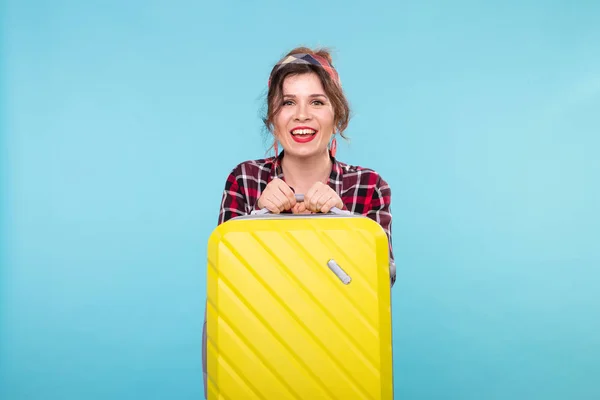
(304, 137)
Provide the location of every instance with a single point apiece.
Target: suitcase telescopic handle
(300, 198)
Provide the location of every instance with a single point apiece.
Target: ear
(333, 146)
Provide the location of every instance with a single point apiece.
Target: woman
(307, 109)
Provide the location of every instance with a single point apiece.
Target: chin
(304, 152)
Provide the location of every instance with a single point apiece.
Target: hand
(277, 197)
(300, 208)
(322, 198)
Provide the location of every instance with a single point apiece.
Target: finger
(311, 197)
(324, 197)
(329, 204)
(289, 197)
(323, 201)
(274, 197)
(279, 199)
(283, 201)
(271, 206)
(262, 200)
(283, 188)
(321, 196)
(301, 208)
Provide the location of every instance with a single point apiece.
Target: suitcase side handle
(300, 198)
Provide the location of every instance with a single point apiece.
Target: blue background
(120, 121)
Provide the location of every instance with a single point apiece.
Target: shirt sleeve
(233, 201)
(381, 212)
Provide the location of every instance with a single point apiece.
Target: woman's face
(305, 122)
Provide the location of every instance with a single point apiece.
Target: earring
(333, 147)
(276, 148)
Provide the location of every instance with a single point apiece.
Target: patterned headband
(312, 59)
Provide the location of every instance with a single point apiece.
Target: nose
(302, 112)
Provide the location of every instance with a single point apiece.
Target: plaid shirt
(362, 190)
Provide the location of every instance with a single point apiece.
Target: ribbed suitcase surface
(282, 322)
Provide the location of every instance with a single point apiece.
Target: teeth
(303, 132)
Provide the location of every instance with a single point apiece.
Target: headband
(311, 59)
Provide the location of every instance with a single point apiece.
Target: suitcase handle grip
(300, 198)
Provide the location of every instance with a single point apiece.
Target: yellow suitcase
(298, 307)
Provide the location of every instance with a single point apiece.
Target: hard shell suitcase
(298, 307)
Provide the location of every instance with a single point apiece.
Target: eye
(318, 103)
(288, 102)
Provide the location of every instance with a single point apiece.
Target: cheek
(327, 118)
(282, 119)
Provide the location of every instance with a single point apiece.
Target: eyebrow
(312, 95)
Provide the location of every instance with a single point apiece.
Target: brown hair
(341, 109)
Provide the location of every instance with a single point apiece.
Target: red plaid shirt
(362, 190)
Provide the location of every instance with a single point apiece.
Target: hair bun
(325, 53)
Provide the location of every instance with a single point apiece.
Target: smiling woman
(306, 111)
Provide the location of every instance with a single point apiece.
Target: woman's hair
(331, 85)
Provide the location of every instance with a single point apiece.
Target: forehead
(303, 83)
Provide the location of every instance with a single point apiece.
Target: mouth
(303, 134)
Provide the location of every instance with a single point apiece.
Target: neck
(302, 172)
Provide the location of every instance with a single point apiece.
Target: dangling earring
(276, 148)
(333, 147)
